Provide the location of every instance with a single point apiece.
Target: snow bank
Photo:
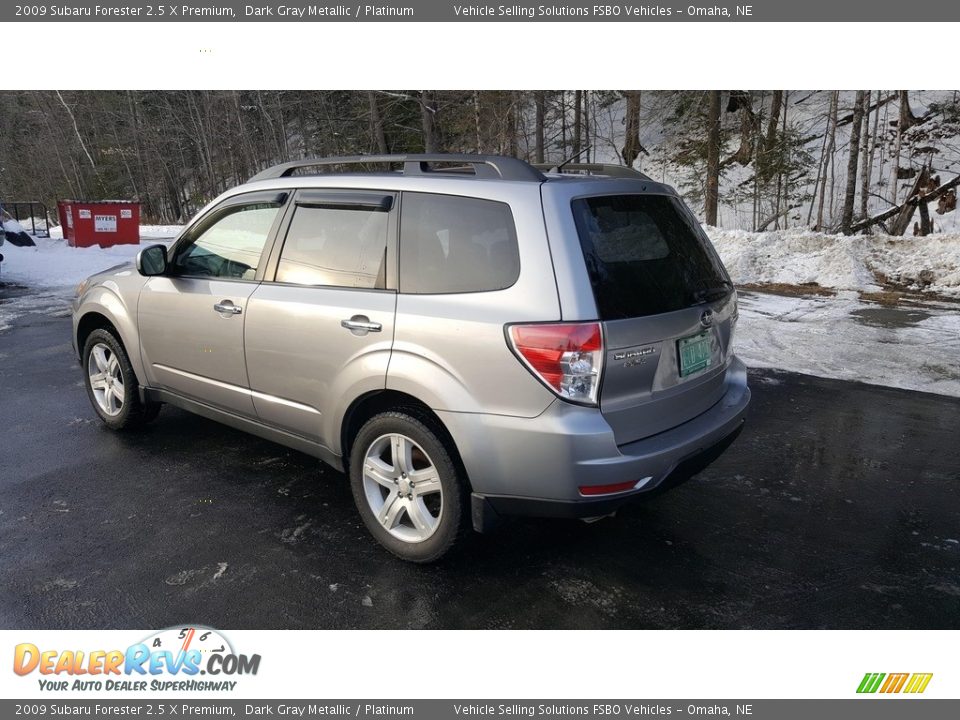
(11, 226)
(796, 257)
(53, 263)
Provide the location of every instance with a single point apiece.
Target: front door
(192, 318)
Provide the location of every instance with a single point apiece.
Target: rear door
(667, 307)
(191, 319)
(320, 328)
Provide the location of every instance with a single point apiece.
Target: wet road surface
(838, 507)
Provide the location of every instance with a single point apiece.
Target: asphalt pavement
(838, 507)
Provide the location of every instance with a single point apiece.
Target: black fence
(28, 213)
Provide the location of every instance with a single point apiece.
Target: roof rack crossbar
(620, 171)
(484, 166)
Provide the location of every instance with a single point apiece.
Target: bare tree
(577, 120)
(741, 102)
(868, 150)
(476, 120)
(903, 124)
(776, 103)
(76, 130)
(540, 103)
(830, 144)
(853, 158)
(376, 124)
(712, 194)
(907, 118)
(632, 146)
(428, 110)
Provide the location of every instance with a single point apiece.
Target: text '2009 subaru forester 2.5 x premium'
(466, 336)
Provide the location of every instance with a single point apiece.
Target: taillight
(567, 357)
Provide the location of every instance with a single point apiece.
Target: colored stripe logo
(912, 683)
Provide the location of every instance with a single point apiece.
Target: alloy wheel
(106, 379)
(402, 488)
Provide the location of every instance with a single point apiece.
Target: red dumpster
(103, 223)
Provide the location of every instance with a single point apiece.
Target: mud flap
(485, 518)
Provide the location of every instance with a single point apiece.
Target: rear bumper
(535, 466)
(487, 510)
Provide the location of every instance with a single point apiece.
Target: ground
(838, 507)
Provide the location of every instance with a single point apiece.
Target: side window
(342, 247)
(231, 247)
(452, 244)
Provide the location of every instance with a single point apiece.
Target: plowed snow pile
(798, 257)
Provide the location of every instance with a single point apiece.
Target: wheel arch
(94, 320)
(373, 403)
(103, 309)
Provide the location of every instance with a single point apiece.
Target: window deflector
(371, 202)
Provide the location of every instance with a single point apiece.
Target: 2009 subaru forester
(466, 336)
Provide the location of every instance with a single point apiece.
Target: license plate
(694, 352)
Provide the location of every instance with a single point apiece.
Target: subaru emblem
(706, 318)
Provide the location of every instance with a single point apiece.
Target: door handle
(360, 325)
(226, 306)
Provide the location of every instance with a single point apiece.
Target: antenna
(559, 168)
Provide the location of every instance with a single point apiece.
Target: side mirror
(152, 260)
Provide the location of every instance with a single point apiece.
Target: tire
(391, 454)
(112, 385)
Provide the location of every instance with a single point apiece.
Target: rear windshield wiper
(713, 292)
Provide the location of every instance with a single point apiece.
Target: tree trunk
(926, 227)
(586, 123)
(744, 153)
(577, 120)
(864, 177)
(895, 170)
(540, 101)
(377, 133)
(76, 130)
(870, 149)
(850, 194)
(907, 118)
(476, 120)
(713, 159)
(828, 153)
(776, 103)
(427, 112)
(563, 122)
(905, 215)
(513, 124)
(631, 143)
(783, 160)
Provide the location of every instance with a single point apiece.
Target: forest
(859, 161)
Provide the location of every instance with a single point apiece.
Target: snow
(12, 226)
(845, 338)
(54, 264)
(797, 257)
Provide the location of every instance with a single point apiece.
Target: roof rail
(484, 166)
(620, 171)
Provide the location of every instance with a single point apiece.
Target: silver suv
(466, 336)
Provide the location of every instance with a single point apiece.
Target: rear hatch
(667, 307)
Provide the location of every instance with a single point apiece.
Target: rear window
(336, 247)
(452, 244)
(646, 255)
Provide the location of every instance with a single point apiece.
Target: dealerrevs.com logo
(171, 660)
(892, 683)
